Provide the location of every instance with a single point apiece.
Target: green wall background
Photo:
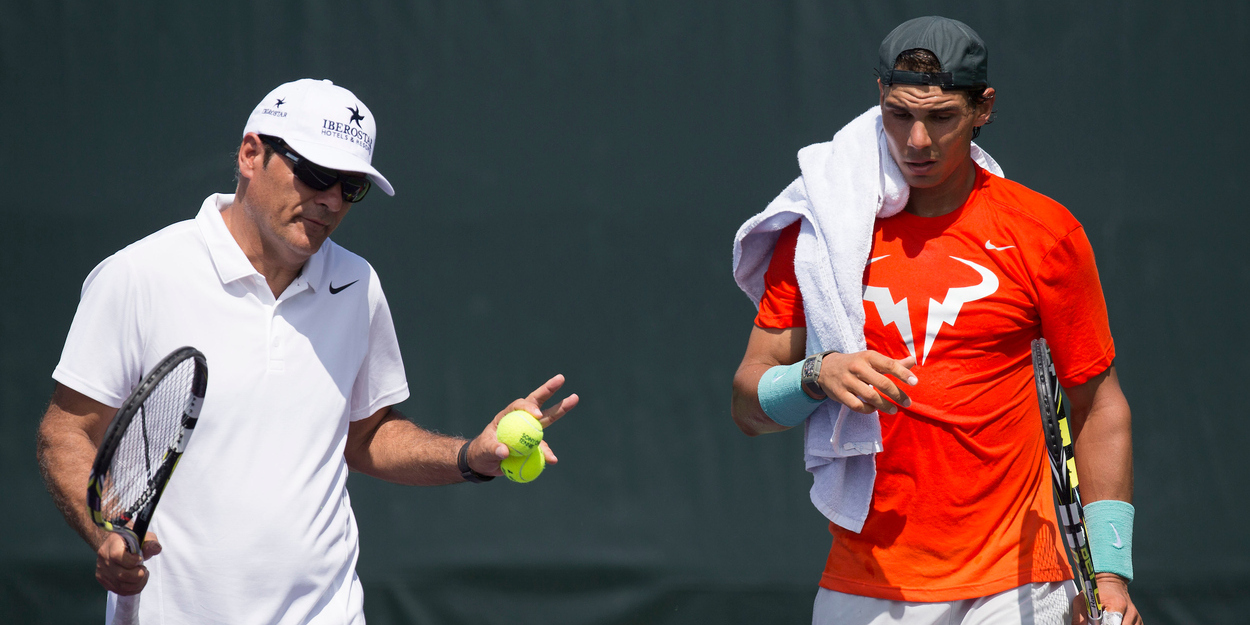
(570, 176)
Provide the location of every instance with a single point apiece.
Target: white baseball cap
(324, 123)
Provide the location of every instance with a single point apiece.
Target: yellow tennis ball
(524, 468)
(521, 432)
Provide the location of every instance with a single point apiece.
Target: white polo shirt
(256, 523)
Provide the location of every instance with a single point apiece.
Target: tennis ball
(521, 432)
(524, 469)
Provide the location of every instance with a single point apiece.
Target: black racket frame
(1059, 448)
(142, 516)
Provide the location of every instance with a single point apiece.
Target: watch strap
(466, 471)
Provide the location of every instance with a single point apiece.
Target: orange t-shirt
(961, 506)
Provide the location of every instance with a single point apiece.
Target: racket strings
(147, 444)
(129, 483)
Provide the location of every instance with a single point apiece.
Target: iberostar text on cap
(325, 123)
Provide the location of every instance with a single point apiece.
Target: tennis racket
(141, 447)
(1063, 469)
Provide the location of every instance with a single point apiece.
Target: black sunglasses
(320, 178)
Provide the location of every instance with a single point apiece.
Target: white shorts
(1031, 604)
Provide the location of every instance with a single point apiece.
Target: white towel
(844, 187)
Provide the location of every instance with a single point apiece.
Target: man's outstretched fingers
(900, 369)
(871, 397)
(840, 379)
(547, 390)
(862, 379)
(553, 414)
(886, 387)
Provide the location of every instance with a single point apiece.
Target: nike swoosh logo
(993, 247)
(334, 290)
(1117, 544)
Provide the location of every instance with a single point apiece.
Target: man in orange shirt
(961, 525)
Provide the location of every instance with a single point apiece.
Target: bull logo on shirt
(944, 312)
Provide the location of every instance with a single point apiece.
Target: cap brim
(340, 160)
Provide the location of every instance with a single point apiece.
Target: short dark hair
(921, 60)
(264, 163)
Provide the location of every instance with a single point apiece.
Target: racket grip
(127, 610)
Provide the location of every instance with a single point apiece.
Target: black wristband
(466, 471)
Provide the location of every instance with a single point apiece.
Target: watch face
(809, 369)
(811, 373)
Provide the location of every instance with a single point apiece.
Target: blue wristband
(782, 397)
(1110, 526)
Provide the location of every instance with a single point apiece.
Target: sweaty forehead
(922, 97)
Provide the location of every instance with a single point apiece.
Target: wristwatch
(466, 471)
(810, 373)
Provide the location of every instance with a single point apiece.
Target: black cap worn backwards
(957, 47)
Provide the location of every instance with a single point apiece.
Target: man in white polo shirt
(304, 368)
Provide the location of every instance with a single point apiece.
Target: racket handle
(127, 610)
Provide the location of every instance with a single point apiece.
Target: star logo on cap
(279, 103)
(356, 116)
